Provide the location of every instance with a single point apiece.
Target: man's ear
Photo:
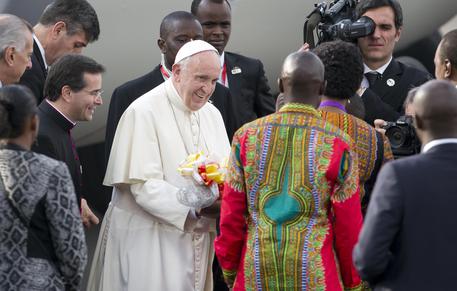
(66, 93)
(176, 71)
(418, 122)
(280, 85)
(447, 69)
(398, 34)
(162, 45)
(57, 29)
(8, 55)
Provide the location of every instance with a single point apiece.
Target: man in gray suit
(408, 241)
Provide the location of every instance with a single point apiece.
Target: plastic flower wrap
(207, 174)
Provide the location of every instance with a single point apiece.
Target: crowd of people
(312, 199)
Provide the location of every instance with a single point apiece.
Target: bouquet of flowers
(207, 174)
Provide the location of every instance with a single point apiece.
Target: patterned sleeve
(233, 230)
(388, 155)
(66, 227)
(347, 215)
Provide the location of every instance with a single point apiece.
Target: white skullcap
(193, 47)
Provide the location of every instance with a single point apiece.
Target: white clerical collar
(71, 121)
(1, 85)
(380, 70)
(41, 50)
(437, 142)
(173, 96)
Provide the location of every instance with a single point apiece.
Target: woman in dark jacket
(42, 244)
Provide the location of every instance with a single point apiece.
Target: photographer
(401, 133)
(407, 107)
(386, 81)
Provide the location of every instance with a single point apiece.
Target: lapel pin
(236, 70)
(390, 82)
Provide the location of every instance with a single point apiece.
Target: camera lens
(396, 137)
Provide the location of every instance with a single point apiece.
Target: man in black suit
(387, 81)
(66, 26)
(245, 77)
(15, 48)
(408, 241)
(176, 29)
(73, 90)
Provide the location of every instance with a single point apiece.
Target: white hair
(13, 33)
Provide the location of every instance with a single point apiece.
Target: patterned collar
(299, 108)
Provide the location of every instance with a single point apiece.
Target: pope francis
(148, 240)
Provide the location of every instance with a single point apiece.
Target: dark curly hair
(17, 104)
(343, 68)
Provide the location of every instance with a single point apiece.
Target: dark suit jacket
(54, 141)
(36, 76)
(248, 87)
(405, 78)
(125, 94)
(409, 237)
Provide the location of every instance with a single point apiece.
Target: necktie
(372, 77)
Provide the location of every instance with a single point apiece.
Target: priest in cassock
(149, 240)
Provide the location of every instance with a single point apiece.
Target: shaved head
(176, 29)
(302, 78)
(435, 105)
(169, 22)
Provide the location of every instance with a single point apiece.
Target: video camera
(402, 137)
(336, 21)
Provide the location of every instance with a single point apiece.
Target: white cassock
(148, 240)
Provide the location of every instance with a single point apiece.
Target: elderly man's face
(22, 59)
(196, 80)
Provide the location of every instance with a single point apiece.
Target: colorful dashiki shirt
(290, 213)
(372, 148)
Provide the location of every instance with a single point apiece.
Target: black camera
(402, 137)
(336, 21)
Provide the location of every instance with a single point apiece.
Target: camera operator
(445, 69)
(386, 81)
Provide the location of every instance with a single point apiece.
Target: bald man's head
(176, 29)
(302, 78)
(435, 105)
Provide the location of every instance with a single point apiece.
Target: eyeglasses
(95, 93)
